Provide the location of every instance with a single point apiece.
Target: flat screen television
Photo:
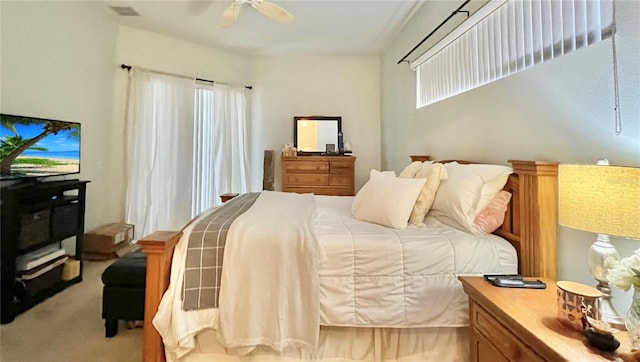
(37, 147)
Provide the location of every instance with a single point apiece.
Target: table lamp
(605, 200)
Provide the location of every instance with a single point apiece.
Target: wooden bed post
(538, 195)
(159, 249)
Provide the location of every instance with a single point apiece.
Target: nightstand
(512, 324)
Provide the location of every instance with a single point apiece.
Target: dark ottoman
(123, 292)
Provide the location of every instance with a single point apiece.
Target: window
(186, 144)
(505, 37)
(219, 145)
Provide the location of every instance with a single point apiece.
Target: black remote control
(492, 277)
(519, 283)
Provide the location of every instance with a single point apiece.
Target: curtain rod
(458, 10)
(128, 68)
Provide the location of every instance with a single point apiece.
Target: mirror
(312, 134)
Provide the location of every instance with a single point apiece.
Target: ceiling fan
(267, 8)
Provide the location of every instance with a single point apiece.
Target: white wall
(57, 63)
(561, 111)
(347, 86)
(163, 53)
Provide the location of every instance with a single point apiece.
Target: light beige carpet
(68, 327)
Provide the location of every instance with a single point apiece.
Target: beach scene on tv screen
(32, 147)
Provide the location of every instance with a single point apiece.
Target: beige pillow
(435, 173)
(387, 200)
(412, 169)
(423, 172)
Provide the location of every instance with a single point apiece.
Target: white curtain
(159, 151)
(515, 36)
(220, 147)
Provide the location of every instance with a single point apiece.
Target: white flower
(626, 272)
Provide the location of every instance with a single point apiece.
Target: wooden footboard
(159, 249)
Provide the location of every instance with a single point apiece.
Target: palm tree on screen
(12, 146)
(12, 143)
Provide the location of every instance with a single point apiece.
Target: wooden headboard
(531, 218)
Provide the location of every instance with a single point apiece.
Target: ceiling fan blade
(273, 11)
(230, 14)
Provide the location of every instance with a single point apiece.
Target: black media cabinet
(36, 214)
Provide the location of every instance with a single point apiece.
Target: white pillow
(436, 173)
(387, 200)
(413, 168)
(373, 174)
(467, 191)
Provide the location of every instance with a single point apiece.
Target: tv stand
(36, 214)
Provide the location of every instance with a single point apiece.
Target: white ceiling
(332, 27)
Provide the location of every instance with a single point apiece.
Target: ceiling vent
(125, 10)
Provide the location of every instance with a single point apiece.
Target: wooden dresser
(513, 325)
(321, 175)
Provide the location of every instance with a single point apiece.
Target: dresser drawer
(340, 180)
(500, 338)
(320, 175)
(304, 179)
(307, 166)
(486, 351)
(331, 191)
(340, 167)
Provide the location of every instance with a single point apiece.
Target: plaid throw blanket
(270, 292)
(203, 266)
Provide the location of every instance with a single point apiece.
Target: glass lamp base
(609, 312)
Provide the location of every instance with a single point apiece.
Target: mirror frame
(313, 118)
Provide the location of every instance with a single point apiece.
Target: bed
(386, 328)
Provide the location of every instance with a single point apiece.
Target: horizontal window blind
(515, 35)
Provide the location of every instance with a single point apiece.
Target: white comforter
(375, 276)
(369, 276)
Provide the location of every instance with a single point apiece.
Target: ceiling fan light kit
(271, 10)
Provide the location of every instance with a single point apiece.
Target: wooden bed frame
(530, 225)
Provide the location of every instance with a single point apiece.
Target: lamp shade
(601, 199)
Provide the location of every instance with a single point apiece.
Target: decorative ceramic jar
(577, 301)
